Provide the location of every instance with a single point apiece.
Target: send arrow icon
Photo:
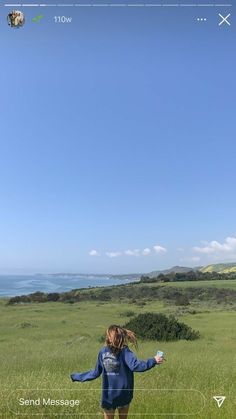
(219, 400)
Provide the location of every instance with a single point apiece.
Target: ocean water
(12, 285)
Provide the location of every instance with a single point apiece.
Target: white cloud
(113, 254)
(227, 248)
(94, 252)
(131, 252)
(146, 251)
(159, 249)
(134, 252)
(138, 252)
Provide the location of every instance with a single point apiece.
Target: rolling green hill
(223, 268)
(175, 269)
(220, 268)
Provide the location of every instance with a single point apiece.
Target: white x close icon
(224, 19)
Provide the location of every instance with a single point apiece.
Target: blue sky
(117, 142)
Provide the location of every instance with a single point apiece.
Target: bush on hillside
(182, 300)
(53, 296)
(157, 326)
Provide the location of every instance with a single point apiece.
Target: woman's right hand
(159, 359)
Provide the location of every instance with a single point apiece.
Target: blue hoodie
(117, 375)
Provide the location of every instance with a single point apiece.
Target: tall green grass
(41, 344)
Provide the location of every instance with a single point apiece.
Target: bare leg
(123, 412)
(109, 414)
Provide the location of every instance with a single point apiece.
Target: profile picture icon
(15, 19)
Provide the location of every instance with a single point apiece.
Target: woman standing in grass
(117, 364)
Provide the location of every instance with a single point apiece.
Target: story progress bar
(117, 5)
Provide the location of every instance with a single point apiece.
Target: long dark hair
(117, 337)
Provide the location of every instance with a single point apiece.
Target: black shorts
(118, 407)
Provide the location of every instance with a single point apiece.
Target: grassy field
(41, 344)
(229, 284)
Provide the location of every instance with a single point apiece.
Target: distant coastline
(91, 275)
(13, 285)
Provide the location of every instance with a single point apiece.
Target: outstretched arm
(89, 375)
(136, 365)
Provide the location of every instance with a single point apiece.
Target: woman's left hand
(159, 359)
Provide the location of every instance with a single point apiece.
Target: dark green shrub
(182, 300)
(38, 297)
(157, 326)
(53, 296)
